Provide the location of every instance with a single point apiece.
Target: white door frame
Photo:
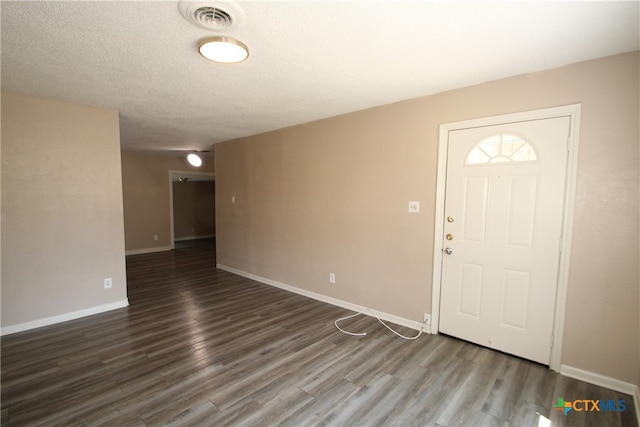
(572, 111)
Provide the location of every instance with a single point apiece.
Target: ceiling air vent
(216, 16)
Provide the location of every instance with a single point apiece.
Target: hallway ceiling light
(223, 49)
(194, 160)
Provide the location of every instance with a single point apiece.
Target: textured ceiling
(308, 59)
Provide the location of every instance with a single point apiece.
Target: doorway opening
(192, 208)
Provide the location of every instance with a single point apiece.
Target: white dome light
(223, 49)
(194, 159)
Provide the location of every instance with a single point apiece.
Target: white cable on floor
(360, 334)
(357, 334)
(400, 335)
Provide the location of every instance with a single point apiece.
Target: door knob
(448, 251)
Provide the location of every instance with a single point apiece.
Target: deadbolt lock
(449, 236)
(450, 219)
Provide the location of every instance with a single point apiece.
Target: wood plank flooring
(200, 346)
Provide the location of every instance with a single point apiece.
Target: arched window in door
(501, 148)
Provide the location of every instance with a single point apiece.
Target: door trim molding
(572, 111)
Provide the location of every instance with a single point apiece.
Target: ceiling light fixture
(194, 160)
(223, 49)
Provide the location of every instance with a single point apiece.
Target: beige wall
(193, 209)
(62, 229)
(331, 196)
(145, 180)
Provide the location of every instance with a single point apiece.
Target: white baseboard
(147, 250)
(604, 381)
(330, 300)
(205, 236)
(607, 382)
(63, 317)
(600, 380)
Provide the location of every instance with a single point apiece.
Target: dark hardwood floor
(200, 346)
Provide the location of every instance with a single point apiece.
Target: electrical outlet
(427, 319)
(155, 237)
(414, 206)
(332, 278)
(108, 283)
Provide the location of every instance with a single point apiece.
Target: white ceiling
(308, 59)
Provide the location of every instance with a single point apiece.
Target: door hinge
(552, 337)
(560, 245)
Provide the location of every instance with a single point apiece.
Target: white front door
(503, 217)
